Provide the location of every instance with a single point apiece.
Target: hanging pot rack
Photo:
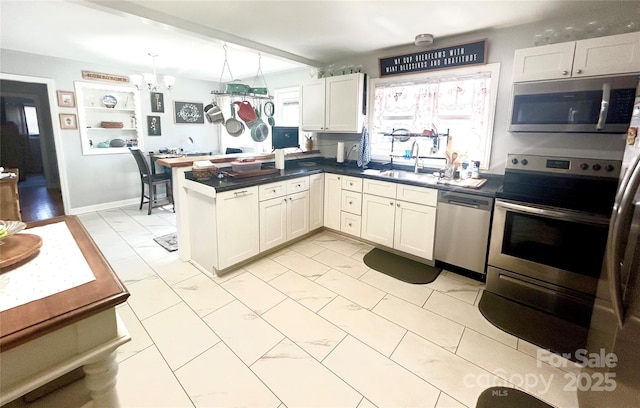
(253, 92)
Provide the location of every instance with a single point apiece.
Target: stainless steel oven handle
(604, 105)
(550, 213)
(618, 227)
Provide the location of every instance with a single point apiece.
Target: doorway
(27, 144)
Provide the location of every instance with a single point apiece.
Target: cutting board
(466, 183)
(18, 247)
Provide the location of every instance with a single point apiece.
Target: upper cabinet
(333, 104)
(616, 54)
(109, 118)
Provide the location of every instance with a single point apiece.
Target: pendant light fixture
(151, 79)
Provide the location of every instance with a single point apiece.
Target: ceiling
(188, 36)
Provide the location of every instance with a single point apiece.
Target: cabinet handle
(565, 72)
(579, 71)
(350, 224)
(298, 185)
(398, 204)
(240, 192)
(290, 199)
(350, 184)
(274, 190)
(350, 202)
(338, 178)
(390, 202)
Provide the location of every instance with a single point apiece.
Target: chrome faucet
(417, 156)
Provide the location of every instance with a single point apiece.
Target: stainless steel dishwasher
(462, 230)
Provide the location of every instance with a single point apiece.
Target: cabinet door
(316, 201)
(378, 219)
(344, 100)
(332, 199)
(297, 214)
(544, 62)
(415, 229)
(312, 111)
(615, 54)
(238, 226)
(273, 216)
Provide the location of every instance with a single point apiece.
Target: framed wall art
(157, 102)
(66, 99)
(153, 126)
(68, 121)
(188, 112)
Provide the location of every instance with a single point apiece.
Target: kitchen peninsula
(226, 222)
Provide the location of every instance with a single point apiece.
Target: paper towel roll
(279, 159)
(340, 153)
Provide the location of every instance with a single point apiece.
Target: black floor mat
(398, 267)
(537, 327)
(504, 397)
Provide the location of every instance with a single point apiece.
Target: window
(459, 102)
(31, 117)
(287, 113)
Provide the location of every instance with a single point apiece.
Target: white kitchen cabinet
(616, 54)
(284, 217)
(316, 201)
(610, 55)
(237, 226)
(332, 200)
(108, 114)
(545, 62)
(378, 218)
(333, 104)
(405, 221)
(415, 227)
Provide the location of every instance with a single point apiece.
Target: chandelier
(151, 80)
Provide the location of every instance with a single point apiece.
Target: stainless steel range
(549, 233)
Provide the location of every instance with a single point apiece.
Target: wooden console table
(79, 327)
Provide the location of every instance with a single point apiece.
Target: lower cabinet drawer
(418, 195)
(351, 202)
(350, 223)
(272, 190)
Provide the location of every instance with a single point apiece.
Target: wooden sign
(455, 56)
(99, 76)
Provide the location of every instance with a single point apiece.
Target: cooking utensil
(246, 112)
(269, 110)
(401, 135)
(237, 87)
(259, 129)
(214, 113)
(234, 127)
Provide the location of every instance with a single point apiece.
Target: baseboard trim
(103, 206)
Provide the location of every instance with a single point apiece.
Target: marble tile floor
(307, 326)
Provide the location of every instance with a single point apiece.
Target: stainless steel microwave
(584, 105)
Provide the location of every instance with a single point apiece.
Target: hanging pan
(234, 127)
(259, 129)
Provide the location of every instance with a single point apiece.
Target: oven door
(558, 246)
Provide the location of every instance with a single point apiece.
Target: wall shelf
(92, 112)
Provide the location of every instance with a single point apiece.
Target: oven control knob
(596, 167)
(525, 162)
(584, 166)
(609, 168)
(514, 161)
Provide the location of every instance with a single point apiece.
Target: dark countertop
(305, 167)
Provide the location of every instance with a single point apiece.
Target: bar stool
(152, 181)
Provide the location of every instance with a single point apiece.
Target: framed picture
(66, 99)
(153, 126)
(157, 102)
(68, 121)
(188, 112)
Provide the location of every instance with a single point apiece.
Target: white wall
(102, 179)
(501, 45)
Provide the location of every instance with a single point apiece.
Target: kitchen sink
(403, 175)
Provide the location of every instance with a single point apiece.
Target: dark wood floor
(36, 201)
